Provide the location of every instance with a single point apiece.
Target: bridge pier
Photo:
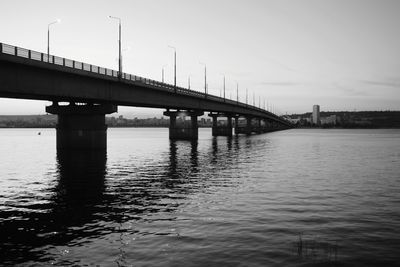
(181, 129)
(244, 129)
(265, 128)
(81, 126)
(221, 129)
(257, 127)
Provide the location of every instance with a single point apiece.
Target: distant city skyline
(341, 55)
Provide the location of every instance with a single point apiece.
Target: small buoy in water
(39, 133)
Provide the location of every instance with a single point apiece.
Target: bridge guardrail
(51, 59)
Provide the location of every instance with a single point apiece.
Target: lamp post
(162, 73)
(189, 82)
(48, 37)
(172, 47)
(205, 77)
(223, 93)
(247, 96)
(224, 87)
(237, 92)
(119, 47)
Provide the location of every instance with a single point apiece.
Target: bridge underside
(83, 126)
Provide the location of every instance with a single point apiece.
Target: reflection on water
(192, 163)
(217, 201)
(81, 179)
(81, 197)
(49, 220)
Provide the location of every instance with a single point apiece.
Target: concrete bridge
(93, 91)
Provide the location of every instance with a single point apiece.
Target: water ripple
(292, 198)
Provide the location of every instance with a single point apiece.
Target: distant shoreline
(337, 120)
(166, 127)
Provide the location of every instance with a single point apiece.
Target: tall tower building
(315, 115)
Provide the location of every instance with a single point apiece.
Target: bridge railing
(73, 64)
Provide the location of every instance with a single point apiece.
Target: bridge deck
(33, 75)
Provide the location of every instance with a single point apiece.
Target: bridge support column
(255, 128)
(221, 130)
(81, 126)
(265, 126)
(244, 129)
(181, 129)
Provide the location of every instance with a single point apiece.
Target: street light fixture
(119, 46)
(172, 47)
(205, 77)
(48, 37)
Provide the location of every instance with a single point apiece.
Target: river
(301, 197)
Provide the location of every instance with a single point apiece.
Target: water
(290, 198)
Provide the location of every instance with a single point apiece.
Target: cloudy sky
(340, 54)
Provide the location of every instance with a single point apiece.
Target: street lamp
(162, 73)
(237, 92)
(48, 37)
(224, 87)
(247, 96)
(174, 66)
(119, 47)
(205, 77)
(189, 82)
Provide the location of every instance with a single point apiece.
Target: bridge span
(93, 91)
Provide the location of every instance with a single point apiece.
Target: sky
(339, 54)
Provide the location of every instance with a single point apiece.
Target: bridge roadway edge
(26, 78)
(29, 79)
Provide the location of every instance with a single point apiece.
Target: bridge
(91, 92)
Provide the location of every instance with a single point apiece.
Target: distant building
(331, 120)
(294, 121)
(315, 115)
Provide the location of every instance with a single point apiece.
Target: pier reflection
(81, 178)
(223, 150)
(183, 156)
(90, 197)
(58, 219)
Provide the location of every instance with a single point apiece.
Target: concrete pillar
(249, 125)
(221, 130)
(180, 129)
(237, 125)
(257, 127)
(246, 129)
(269, 126)
(265, 126)
(81, 126)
